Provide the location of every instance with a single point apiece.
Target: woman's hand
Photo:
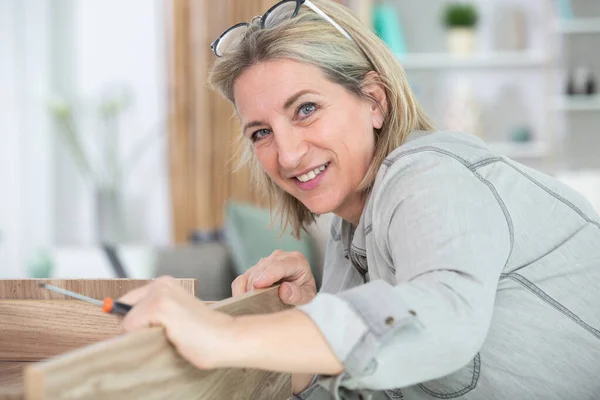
(200, 335)
(291, 268)
(285, 341)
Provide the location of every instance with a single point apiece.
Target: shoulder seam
(558, 197)
(471, 167)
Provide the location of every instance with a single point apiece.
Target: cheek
(362, 137)
(267, 159)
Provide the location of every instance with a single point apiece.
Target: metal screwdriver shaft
(109, 305)
(71, 294)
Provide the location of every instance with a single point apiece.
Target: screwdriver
(109, 306)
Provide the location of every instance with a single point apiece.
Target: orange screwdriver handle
(115, 307)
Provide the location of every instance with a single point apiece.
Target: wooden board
(13, 392)
(11, 372)
(27, 289)
(145, 365)
(32, 330)
(11, 380)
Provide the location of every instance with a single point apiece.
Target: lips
(312, 174)
(315, 182)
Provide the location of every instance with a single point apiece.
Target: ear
(375, 91)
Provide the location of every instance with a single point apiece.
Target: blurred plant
(109, 168)
(460, 15)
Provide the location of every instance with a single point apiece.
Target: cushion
(250, 235)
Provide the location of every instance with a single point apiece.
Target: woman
(451, 271)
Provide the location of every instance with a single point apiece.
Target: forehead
(271, 83)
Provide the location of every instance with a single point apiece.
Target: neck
(352, 209)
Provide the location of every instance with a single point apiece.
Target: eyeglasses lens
(282, 12)
(231, 39)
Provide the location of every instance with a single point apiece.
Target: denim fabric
(469, 276)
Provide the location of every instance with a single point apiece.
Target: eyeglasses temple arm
(326, 17)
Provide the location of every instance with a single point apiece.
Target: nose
(291, 148)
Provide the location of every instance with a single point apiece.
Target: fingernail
(258, 280)
(291, 290)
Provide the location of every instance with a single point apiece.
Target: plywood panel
(12, 392)
(11, 373)
(11, 380)
(144, 365)
(32, 330)
(27, 289)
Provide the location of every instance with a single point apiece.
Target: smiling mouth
(309, 176)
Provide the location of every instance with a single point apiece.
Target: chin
(319, 207)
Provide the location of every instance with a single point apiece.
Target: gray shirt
(469, 276)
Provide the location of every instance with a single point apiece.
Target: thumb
(290, 294)
(268, 278)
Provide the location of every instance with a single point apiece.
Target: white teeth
(312, 174)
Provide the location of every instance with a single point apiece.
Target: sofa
(217, 262)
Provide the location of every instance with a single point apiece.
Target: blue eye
(261, 133)
(307, 109)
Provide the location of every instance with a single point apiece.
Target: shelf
(579, 25)
(579, 103)
(520, 150)
(514, 59)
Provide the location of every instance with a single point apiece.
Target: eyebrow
(288, 103)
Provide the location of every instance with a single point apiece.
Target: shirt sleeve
(447, 235)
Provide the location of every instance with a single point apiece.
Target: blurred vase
(110, 226)
(461, 41)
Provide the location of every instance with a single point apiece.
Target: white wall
(115, 42)
(75, 48)
(25, 144)
(10, 254)
(509, 96)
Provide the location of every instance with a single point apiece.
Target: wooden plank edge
(27, 289)
(270, 294)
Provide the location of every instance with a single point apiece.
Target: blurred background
(116, 159)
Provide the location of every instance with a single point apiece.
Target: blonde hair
(310, 39)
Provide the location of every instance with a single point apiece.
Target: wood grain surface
(145, 365)
(27, 289)
(12, 392)
(203, 129)
(11, 380)
(32, 330)
(11, 372)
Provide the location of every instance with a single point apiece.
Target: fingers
(151, 310)
(294, 295)
(279, 266)
(238, 286)
(136, 295)
(269, 276)
(257, 277)
(287, 292)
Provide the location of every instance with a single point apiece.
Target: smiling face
(312, 137)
